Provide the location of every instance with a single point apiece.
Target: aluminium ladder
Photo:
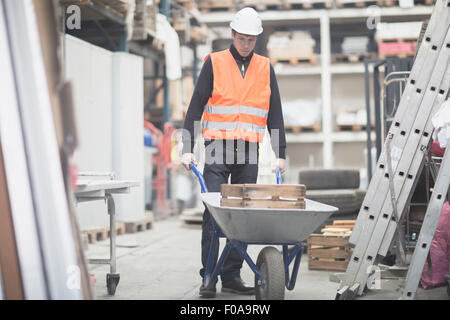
(428, 228)
(402, 158)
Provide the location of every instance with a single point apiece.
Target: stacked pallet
(261, 5)
(354, 49)
(144, 20)
(99, 234)
(354, 3)
(120, 7)
(397, 39)
(216, 5)
(263, 196)
(310, 121)
(141, 225)
(295, 47)
(351, 120)
(331, 250)
(309, 4)
(187, 4)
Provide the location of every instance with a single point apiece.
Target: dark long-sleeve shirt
(203, 91)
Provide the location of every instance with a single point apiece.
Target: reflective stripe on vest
(238, 107)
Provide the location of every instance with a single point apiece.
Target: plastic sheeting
(439, 253)
(441, 124)
(172, 50)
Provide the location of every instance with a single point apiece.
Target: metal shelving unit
(326, 19)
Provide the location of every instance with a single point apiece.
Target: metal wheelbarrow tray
(267, 226)
(243, 226)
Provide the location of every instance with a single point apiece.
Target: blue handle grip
(200, 178)
(278, 174)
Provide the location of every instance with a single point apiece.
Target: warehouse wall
(89, 69)
(107, 86)
(128, 132)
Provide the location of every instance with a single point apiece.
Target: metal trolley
(263, 226)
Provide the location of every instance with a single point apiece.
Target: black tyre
(271, 267)
(316, 179)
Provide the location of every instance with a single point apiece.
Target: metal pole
(195, 63)
(369, 142)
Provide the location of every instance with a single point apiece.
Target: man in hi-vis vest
(237, 95)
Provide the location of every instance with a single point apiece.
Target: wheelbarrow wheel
(270, 265)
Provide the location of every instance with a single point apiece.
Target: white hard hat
(247, 21)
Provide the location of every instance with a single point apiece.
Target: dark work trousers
(240, 160)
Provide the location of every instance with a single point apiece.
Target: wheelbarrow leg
(287, 259)
(112, 279)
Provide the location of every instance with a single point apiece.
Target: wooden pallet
(263, 196)
(395, 3)
(311, 60)
(118, 6)
(351, 127)
(263, 5)
(192, 220)
(327, 252)
(355, 3)
(205, 6)
(351, 57)
(97, 234)
(120, 229)
(309, 4)
(140, 225)
(297, 129)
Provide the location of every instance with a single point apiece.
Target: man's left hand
(279, 163)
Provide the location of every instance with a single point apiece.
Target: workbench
(92, 190)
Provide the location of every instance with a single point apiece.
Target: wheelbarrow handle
(200, 178)
(278, 174)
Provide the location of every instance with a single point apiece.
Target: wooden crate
(327, 252)
(263, 196)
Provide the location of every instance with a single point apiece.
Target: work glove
(187, 159)
(279, 163)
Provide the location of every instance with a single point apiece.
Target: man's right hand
(187, 159)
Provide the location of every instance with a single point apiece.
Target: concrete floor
(163, 264)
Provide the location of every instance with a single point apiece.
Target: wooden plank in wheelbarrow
(262, 203)
(263, 196)
(262, 190)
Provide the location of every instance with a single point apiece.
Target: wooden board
(266, 203)
(263, 196)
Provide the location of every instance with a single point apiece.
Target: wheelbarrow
(262, 226)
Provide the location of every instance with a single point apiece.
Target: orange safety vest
(238, 107)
